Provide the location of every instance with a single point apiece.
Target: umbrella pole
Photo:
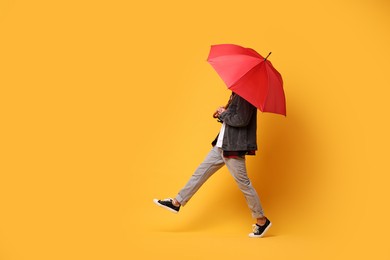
(267, 56)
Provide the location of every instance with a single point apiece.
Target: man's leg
(237, 168)
(213, 162)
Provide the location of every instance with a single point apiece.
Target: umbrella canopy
(249, 75)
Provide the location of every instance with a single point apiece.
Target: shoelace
(168, 200)
(255, 228)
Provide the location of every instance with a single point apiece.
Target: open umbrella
(249, 75)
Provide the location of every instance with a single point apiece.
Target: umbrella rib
(266, 96)
(254, 67)
(267, 89)
(235, 83)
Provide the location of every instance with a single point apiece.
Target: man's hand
(220, 110)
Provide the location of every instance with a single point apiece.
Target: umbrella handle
(267, 56)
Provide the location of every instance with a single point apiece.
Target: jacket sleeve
(239, 113)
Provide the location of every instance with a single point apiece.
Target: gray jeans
(236, 166)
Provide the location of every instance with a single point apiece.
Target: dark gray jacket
(241, 125)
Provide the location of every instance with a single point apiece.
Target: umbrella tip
(267, 56)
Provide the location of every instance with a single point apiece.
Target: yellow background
(105, 105)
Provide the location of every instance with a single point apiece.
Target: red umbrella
(249, 75)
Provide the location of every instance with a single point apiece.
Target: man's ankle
(261, 221)
(175, 203)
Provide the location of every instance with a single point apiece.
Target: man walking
(236, 139)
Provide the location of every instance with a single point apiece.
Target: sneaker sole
(258, 236)
(163, 206)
